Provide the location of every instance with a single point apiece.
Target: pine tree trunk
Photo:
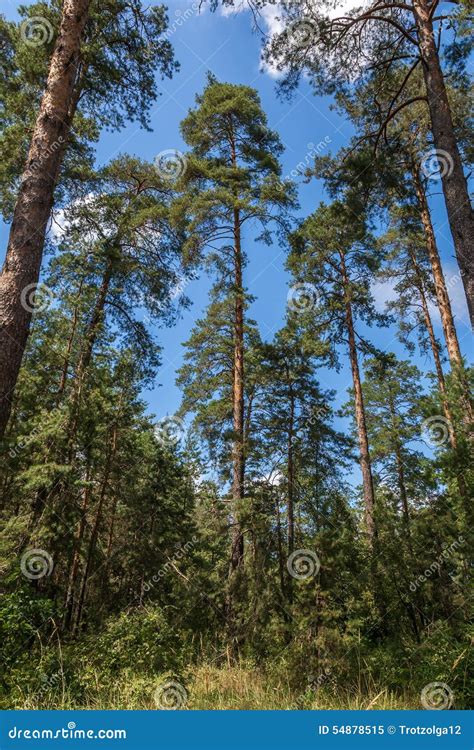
(74, 568)
(70, 341)
(291, 481)
(439, 373)
(95, 531)
(442, 297)
(399, 462)
(22, 265)
(238, 458)
(281, 563)
(458, 206)
(436, 354)
(86, 354)
(365, 462)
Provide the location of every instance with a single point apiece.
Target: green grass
(212, 688)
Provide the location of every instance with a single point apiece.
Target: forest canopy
(297, 532)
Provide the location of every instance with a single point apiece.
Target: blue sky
(226, 46)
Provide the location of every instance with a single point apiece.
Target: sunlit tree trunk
(456, 195)
(22, 265)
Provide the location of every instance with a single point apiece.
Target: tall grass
(210, 687)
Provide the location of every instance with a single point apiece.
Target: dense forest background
(297, 532)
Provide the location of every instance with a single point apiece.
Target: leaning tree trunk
(21, 269)
(458, 206)
(365, 462)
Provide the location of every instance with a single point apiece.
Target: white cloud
(272, 24)
(383, 292)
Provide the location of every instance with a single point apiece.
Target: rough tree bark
(456, 195)
(22, 265)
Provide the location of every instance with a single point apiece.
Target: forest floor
(219, 688)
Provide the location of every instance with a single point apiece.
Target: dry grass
(214, 688)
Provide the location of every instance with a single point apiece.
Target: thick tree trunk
(458, 205)
(22, 265)
(365, 462)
